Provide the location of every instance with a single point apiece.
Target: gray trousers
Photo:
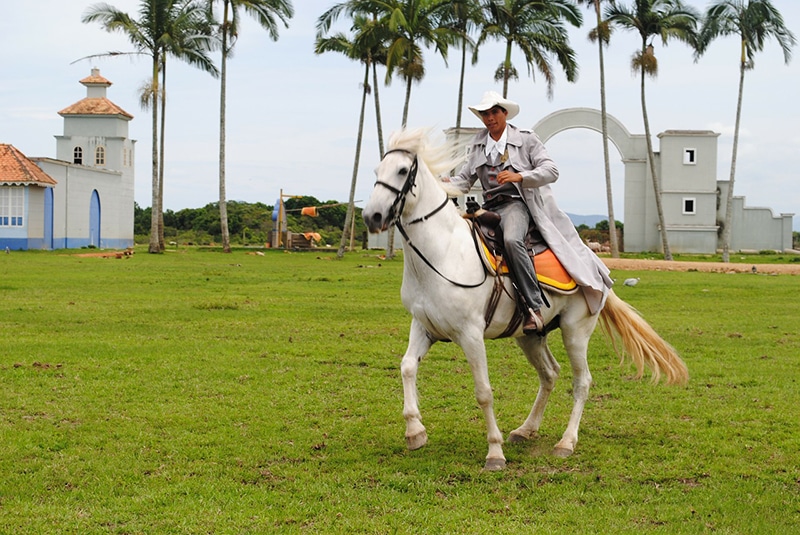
(514, 224)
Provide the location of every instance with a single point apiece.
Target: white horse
(446, 289)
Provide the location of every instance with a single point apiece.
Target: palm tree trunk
(656, 183)
(390, 234)
(409, 81)
(351, 208)
(156, 207)
(726, 232)
(379, 122)
(378, 119)
(223, 207)
(612, 222)
(161, 244)
(461, 83)
(506, 68)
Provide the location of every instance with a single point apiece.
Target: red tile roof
(16, 168)
(94, 106)
(95, 79)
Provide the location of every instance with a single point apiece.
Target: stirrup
(534, 323)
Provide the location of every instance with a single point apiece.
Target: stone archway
(633, 148)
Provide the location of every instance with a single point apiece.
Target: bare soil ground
(107, 254)
(635, 264)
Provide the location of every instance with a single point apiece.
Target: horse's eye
(403, 171)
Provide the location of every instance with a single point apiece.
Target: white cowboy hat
(492, 99)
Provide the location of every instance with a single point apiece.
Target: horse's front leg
(475, 351)
(418, 345)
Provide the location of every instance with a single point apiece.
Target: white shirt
(495, 148)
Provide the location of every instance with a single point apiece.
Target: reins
(400, 202)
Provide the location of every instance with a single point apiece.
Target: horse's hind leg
(418, 345)
(576, 342)
(539, 355)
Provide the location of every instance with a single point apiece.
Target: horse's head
(396, 178)
(405, 169)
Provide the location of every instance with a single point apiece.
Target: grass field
(199, 392)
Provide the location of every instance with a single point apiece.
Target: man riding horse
(515, 172)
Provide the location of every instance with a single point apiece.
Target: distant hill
(589, 220)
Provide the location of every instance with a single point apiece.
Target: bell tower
(96, 131)
(94, 168)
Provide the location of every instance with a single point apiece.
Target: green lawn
(201, 392)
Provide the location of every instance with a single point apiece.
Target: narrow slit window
(689, 156)
(689, 206)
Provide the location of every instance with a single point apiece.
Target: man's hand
(506, 176)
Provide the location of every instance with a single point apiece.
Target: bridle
(399, 203)
(396, 211)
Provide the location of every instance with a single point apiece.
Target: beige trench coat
(528, 156)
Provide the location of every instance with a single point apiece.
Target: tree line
(248, 223)
(252, 224)
(394, 35)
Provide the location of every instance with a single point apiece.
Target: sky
(292, 115)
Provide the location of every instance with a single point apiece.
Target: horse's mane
(441, 158)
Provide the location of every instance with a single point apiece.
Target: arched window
(77, 155)
(100, 156)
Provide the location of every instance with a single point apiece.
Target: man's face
(495, 120)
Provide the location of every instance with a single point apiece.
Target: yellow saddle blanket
(548, 269)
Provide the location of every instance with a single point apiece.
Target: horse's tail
(640, 341)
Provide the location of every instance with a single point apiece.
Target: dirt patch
(636, 264)
(127, 253)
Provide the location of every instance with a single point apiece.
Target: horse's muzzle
(375, 221)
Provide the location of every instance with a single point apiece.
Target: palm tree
(651, 18)
(413, 24)
(267, 13)
(373, 8)
(144, 34)
(536, 27)
(188, 37)
(409, 24)
(754, 21)
(602, 34)
(365, 42)
(378, 58)
(462, 16)
(164, 26)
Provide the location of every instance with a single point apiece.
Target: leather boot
(534, 323)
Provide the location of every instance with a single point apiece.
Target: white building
(88, 200)
(692, 198)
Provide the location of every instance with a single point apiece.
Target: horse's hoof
(417, 441)
(562, 452)
(494, 465)
(516, 438)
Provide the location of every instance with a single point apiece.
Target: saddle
(549, 270)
